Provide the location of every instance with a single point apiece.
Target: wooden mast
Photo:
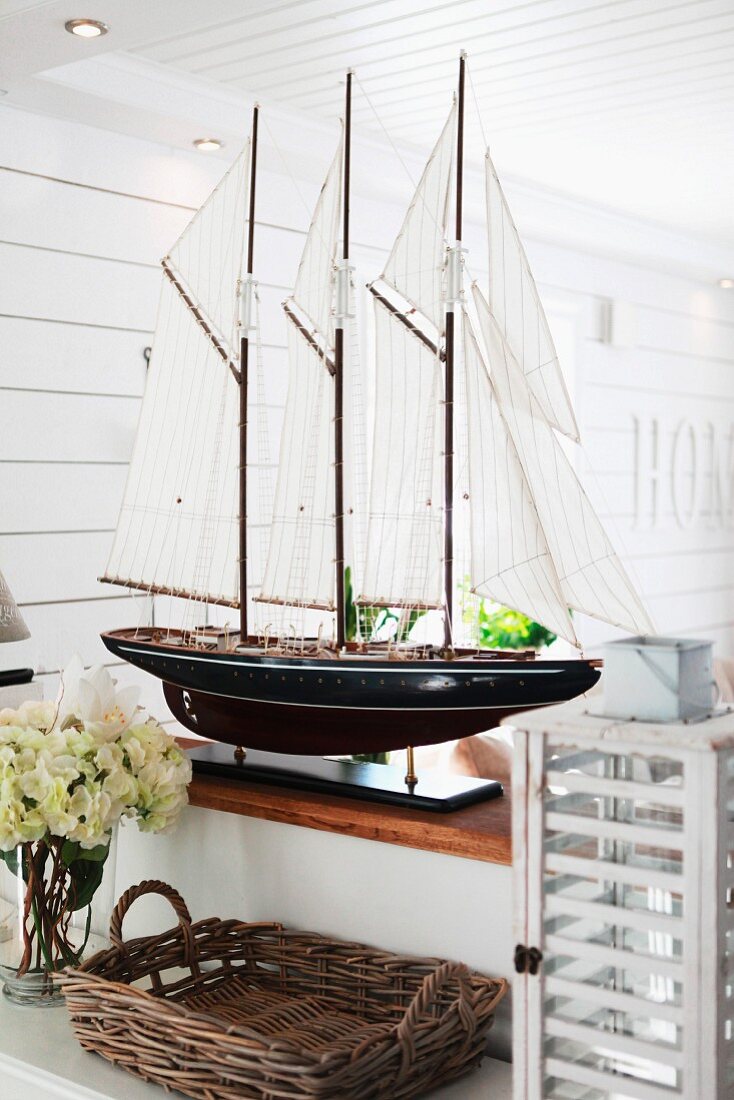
(449, 379)
(342, 311)
(244, 355)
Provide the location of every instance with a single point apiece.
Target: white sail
(591, 577)
(517, 309)
(177, 530)
(313, 291)
(403, 564)
(207, 257)
(300, 562)
(510, 559)
(415, 265)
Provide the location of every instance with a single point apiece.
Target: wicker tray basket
(262, 1011)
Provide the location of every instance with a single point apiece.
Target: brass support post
(411, 778)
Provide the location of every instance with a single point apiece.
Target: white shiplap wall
(84, 217)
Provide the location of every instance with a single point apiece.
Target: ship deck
(214, 640)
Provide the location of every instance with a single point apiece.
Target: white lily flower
(92, 698)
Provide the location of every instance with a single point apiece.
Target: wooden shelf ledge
(481, 832)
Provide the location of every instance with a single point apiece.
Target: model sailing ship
(536, 544)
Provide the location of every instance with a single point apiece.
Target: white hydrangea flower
(75, 767)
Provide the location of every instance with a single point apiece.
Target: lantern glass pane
(613, 903)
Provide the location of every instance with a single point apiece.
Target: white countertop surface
(41, 1060)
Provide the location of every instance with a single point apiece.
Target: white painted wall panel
(72, 427)
(56, 356)
(657, 371)
(67, 287)
(56, 567)
(48, 213)
(607, 278)
(58, 630)
(614, 407)
(60, 496)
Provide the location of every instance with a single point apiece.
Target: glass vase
(55, 904)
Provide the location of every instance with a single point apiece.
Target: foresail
(177, 530)
(313, 291)
(510, 559)
(300, 564)
(207, 257)
(403, 563)
(415, 266)
(591, 577)
(517, 309)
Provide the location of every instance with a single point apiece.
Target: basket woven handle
(426, 995)
(152, 886)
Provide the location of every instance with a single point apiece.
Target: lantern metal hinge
(527, 959)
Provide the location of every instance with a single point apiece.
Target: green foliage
(351, 611)
(86, 868)
(371, 758)
(501, 628)
(10, 859)
(365, 622)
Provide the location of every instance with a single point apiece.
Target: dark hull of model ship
(351, 704)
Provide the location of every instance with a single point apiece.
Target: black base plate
(384, 783)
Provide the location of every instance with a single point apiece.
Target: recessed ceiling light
(205, 145)
(726, 284)
(86, 28)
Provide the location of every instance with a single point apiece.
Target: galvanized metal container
(658, 679)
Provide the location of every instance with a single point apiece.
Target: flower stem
(39, 932)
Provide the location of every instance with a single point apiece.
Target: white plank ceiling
(629, 103)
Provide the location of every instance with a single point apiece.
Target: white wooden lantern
(623, 837)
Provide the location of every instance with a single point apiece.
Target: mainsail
(405, 529)
(510, 559)
(517, 309)
(300, 561)
(591, 577)
(177, 531)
